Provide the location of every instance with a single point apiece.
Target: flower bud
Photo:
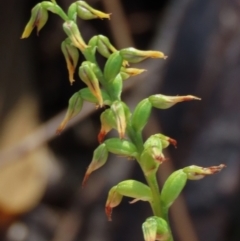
(87, 95)
(164, 102)
(108, 122)
(71, 29)
(121, 147)
(39, 17)
(89, 78)
(100, 156)
(104, 47)
(112, 66)
(166, 140)
(156, 228)
(113, 200)
(173, 187)
(196, 172)
(128, 72)
(71, 56)
(86, 12)
(119, 114)
(74, 107)
(133, 55)
(152, 155)
(128, 188)
(141, 115)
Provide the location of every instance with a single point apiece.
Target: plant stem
(156, 203)
(135, 137)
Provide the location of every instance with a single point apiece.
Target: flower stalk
(104, 89)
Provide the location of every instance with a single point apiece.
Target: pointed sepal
(133, 55)
(119, 114)
(71, 29)
(164, 102)
(121, 147)
(100, 156)
(195, 172)
(74, 107)
(88, 76)
(86, 12)
(127, 188)
(71, 56)
(39, 17)
(108, 122)
(129, 72)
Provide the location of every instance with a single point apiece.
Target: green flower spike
(86, 12)
(71, 29)
(128, 188)
(119, 113)
(108, 122)
(196, 172)
(100, 157)
(74, 107)
(165, 102)
(89, 78)
(156, 228)
(121, 147)
(141, 115)
(133, 55)
(71, 55)
(39, 17)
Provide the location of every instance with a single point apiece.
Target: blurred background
(41, 198)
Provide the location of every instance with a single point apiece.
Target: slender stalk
(156, 203)
(136, 138)
(151, 179)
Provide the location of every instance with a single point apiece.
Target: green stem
(156, 203)
(136, 138)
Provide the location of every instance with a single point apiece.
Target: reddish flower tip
(59, 130)
(215, 169)
(108, 211)
(173, 142)
(85, 179)
(101, 136)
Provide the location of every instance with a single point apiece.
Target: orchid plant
(104, 89)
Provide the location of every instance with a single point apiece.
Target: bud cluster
(104, 89)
